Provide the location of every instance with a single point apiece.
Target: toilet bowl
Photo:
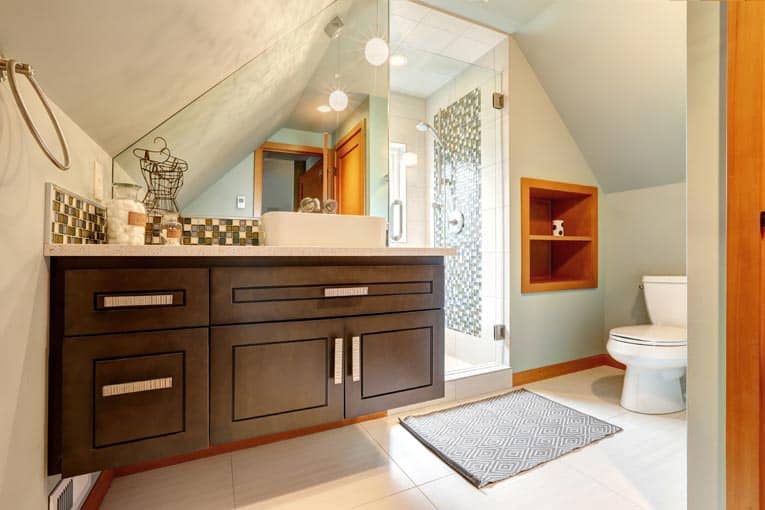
(656, 354)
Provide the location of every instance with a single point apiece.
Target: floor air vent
(63, 497)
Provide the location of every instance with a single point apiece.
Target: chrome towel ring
(11, 67)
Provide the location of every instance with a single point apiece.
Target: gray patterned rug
(489, 440)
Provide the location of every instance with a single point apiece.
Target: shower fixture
(424, 127)
(334, 27)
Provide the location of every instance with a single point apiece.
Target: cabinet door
(269, 378)
(133, 397)
(393, 360)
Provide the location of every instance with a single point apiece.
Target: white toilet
(655, 354)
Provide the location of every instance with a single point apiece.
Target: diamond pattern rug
(489, 440)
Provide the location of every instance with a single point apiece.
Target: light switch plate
(98, 180)
(241, 202)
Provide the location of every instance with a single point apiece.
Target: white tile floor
(378, 465)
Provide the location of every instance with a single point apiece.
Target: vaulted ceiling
(615, 71)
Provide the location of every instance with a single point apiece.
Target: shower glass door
(449, 148)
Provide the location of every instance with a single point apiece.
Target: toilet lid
(651, 334)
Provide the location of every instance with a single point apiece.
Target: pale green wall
(545, 327)
(643, 234)
(219, 200)
(706, 256)
(299, 137)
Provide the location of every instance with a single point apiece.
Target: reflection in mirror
(308, 117)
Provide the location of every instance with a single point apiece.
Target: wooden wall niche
(558, 263)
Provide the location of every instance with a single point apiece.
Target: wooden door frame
(282, 148)
(362, 128)
(745, 319)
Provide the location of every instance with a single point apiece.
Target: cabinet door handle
(356, 358)
(138, 300)
(112, 390)
(338, 361)
(346, 291)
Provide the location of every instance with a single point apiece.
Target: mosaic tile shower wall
(458, 163)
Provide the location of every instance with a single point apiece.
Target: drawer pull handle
(143, 300)
(346, 291)
(112, 390)
(338, 361)
(356, 358)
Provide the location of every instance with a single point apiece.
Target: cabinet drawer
(118, 300)
(288, 293)
(133, 397)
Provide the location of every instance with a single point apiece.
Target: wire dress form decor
(163, 174)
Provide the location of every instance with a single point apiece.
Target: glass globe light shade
(338, 100)
(376, 51)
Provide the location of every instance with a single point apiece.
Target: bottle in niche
(557, 228)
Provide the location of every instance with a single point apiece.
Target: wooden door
(745, 356)
(350, 171)
(269, 378)
(393, 360)
(310, 183)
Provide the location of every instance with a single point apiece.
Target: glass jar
(171, 229)
(126, 215)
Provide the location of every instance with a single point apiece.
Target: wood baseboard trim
(567, 367)
(240, 445)
(98, 492)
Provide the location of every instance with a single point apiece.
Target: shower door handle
(397, 230)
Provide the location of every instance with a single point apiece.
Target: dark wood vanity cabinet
(283, 344)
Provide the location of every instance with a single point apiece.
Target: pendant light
(376, 50)
(338, 100)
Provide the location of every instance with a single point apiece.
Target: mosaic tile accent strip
(71, 219)
(458, 159)
(221, 231)
(209, 231)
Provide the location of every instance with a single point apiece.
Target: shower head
(424, 127)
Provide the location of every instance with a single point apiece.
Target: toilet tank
(667, 300)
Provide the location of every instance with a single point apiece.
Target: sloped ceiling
(218, 130)
(280, 88)
(119, 68)
(616, 72)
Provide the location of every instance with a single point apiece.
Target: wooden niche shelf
(558, 263)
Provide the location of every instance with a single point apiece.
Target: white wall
(706, 256)
(405, 112)
(643, 234)
(219, 200)
(545, 327)
(24, 170)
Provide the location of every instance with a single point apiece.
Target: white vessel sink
(279, 228)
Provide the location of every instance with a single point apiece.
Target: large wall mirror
(308, 117)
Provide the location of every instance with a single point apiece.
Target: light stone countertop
(118, 250)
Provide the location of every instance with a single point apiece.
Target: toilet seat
(650, 334)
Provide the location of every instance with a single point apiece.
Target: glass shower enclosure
(448, 183)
